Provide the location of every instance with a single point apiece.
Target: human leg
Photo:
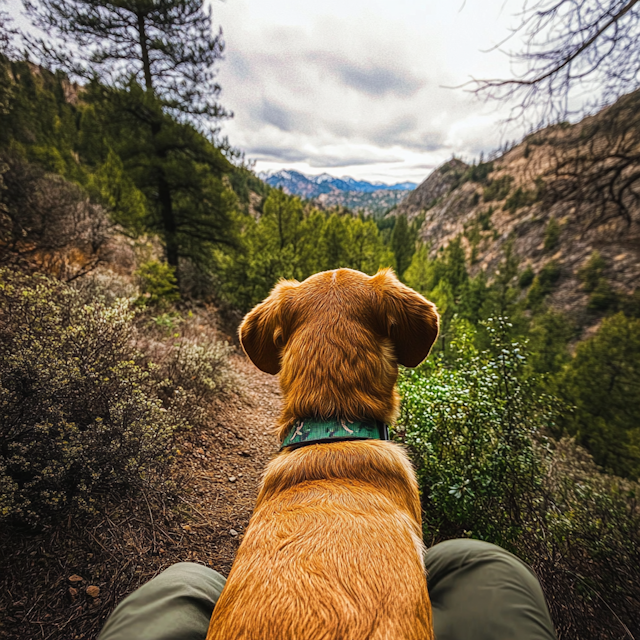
(175, 605)
(479, 591)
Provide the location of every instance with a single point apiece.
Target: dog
(334, 548)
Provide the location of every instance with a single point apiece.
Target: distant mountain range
(299, 184)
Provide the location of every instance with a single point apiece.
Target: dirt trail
(45, 576)
(227, 462)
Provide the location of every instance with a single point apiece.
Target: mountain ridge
(308, 186)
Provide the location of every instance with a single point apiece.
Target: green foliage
(403, 244)
(484, 219)
(475, 425)
(519, 198)
(552, 235)
(603, 297)
(79, 417)
(526, 277)
(498, 189)
(602, 380)
(291, 242)
(157, 283)
(592, 272)
(543, 284)
(470, 429)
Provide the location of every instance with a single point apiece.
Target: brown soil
(48, 579)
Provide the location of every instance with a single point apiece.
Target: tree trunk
(165, 199)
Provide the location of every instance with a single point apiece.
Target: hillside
(328, 191)
(517, 199)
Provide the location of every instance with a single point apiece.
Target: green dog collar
(314, 431)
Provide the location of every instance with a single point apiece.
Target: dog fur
(334, 548)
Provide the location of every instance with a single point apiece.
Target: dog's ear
(408, 319)
(262, 330)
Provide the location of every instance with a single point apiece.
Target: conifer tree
(154, 62)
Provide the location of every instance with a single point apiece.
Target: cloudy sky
(359, 87)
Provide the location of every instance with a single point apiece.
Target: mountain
(370, 197)
(560, 204)
(306, 186)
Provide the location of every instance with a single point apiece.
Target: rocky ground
(63, 582)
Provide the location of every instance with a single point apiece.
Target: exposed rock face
(454, 204)
(434, 188)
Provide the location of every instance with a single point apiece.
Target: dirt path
(45, 576)
(226, 464)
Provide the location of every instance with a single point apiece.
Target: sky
(360, 87)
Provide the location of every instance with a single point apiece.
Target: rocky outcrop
(433, 189)
(508, 201)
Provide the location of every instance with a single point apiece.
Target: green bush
(592, 272)
(79, 417)
(603, 380)
(188, 364)
(158, 284)
(603, 297)
(543, 284)
(477, 430)
(471, 428)
(552, 235)
(497, 189)
(520, 198)
(526, 277)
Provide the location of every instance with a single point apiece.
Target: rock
(245, 453)
(74, 579)
(232, 478)
(93, 591)
(233, 532)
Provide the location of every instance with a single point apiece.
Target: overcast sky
(357, 87)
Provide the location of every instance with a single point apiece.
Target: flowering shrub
(79, 415)
(190, 364)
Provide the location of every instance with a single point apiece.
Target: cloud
(356, 83)
(369, 77)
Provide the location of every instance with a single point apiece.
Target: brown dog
(334, 548)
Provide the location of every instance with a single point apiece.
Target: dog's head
(337, 338)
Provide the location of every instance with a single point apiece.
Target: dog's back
(334, 548)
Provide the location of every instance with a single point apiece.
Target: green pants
(478, 592)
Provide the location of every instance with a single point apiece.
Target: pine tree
(153, 62)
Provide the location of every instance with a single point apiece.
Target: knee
(466, 554)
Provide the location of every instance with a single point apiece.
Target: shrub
(498, 189)
(520, 198)
(602, 380)
(603, 297)
(79, 417)
(190, 364)
(592, 272)
(471, 430)
(526, 277)
(543, 284)
(158, 284)
(48, 223)
(552, 235)
(476, 430)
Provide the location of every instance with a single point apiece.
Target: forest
(133, 238)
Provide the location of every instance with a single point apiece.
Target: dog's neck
(348, 377)
(318, 431)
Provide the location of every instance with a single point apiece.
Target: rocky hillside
(516, 198)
